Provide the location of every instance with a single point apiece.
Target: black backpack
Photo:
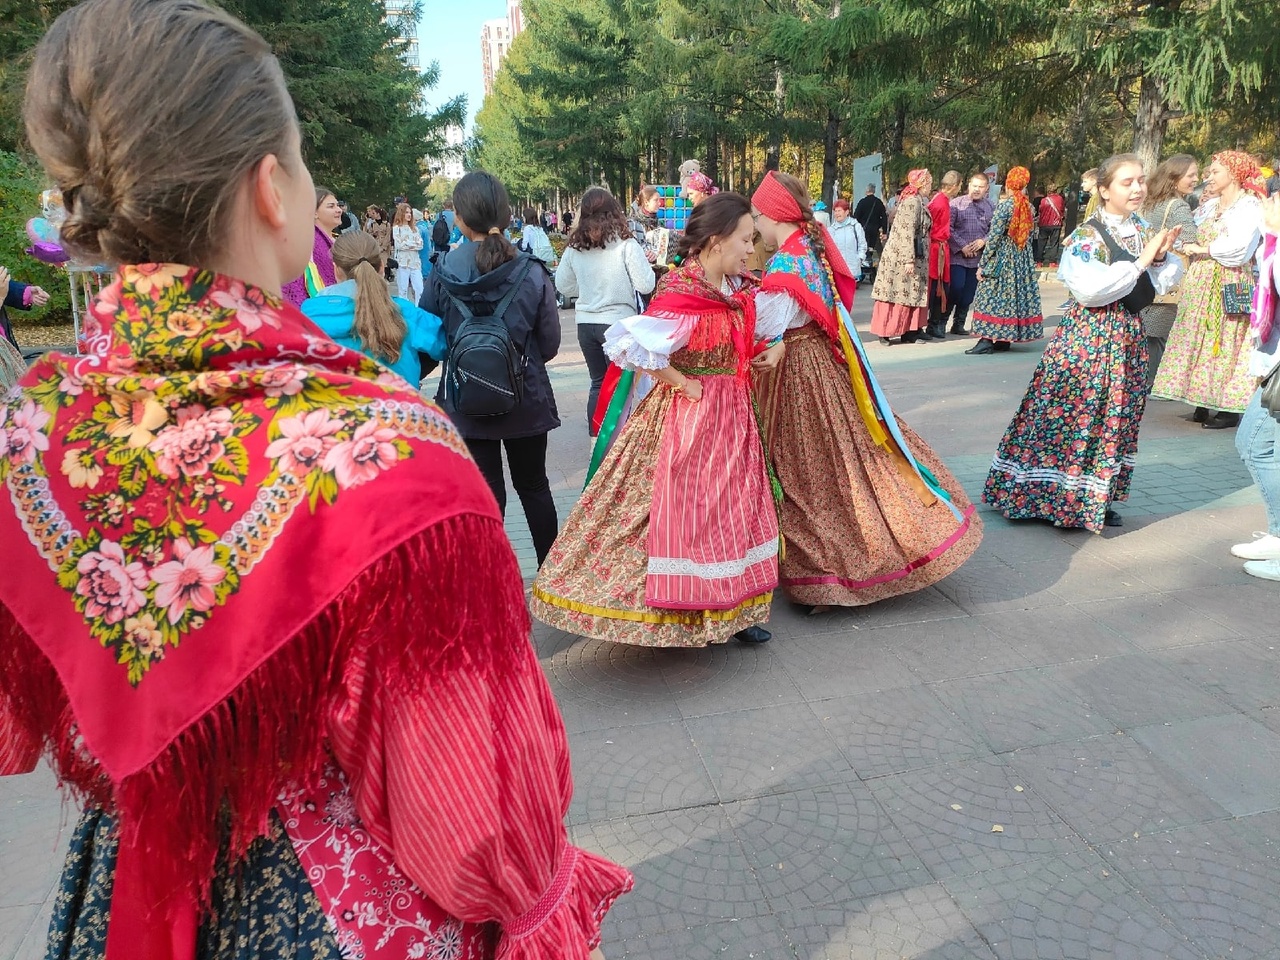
(484, 372)
(440, 233)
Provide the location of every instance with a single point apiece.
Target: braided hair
(812, 227)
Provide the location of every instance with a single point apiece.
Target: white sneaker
(1265, 569)
(1263, 547)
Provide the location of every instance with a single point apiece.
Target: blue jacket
(334, 312)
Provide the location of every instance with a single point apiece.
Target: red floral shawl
(181, 502)
(684, 294)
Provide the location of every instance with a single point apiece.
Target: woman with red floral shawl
(869, 511)
(674, 542)
(258, 611)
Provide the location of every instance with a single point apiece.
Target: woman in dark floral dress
(1068, 455)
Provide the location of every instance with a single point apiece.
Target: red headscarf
(1245, 169)
(1023, 219)
(700, 182)
(776, 202)
(914, 180)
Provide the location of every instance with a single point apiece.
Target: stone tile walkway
(1068, 749)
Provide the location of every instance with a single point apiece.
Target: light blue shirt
(333, 310)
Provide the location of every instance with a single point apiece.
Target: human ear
(268, 191)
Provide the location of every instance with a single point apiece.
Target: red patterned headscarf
(1023, 219)
(1245, 169)
(915, 179)
(703, 184)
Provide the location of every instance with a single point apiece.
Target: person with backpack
(501, 326)
(359, 312)
(440, 238)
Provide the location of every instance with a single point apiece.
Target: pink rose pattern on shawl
(152, 432)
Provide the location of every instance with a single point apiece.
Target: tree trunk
(899, 132)
(1150, 123)
(830, 157)
(773, 153)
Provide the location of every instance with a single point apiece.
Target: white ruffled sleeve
(1240, 235)
(776, 313)
(1090, 279)
(646, 343)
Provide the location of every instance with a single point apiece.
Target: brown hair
(482, 204)
(715, 217)
(1164, 182)
(404, 216)
(531, 216)
(646, 194)
(812, 228)
(600, 221)
(149, 152)
(379, 325)
(323, 194)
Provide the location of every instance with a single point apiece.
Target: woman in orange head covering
(1206, 360)
(1006, 308)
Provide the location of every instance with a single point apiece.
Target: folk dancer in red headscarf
(1207, 357)
(870, 511)
(1006, 308)
(901, 289)
(674, 542)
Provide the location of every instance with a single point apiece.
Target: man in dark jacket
(871, 213)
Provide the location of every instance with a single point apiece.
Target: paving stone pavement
(1111, 703)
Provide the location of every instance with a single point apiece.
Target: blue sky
(449, 33)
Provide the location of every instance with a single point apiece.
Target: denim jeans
(591, 340)
(1258, 440)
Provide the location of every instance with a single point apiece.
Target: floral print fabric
(281, 921)
(1069, 452)
(1006, 306)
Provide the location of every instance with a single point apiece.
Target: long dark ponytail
(481, 202)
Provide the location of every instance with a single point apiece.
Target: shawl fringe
(216, 784)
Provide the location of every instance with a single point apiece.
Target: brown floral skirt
(854, 522)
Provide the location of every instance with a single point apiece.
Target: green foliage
(639, 85)
(365, 123)
(21, 183)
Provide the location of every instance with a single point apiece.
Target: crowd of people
(248, 407)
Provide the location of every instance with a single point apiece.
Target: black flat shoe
(753, 635)
(886, 341)
(1112, 519)
(1223, 421)
(958, 331)
(1001, 346)
(1200, 415)
(981, 348)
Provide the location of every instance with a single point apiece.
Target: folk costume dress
(869, 511)
(1006, 307)
(216, 524)
(1206, 358)
(1069, 452)
(674, 541)
(901, 288)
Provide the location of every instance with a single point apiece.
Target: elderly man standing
(940, 254)
(970, 221)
